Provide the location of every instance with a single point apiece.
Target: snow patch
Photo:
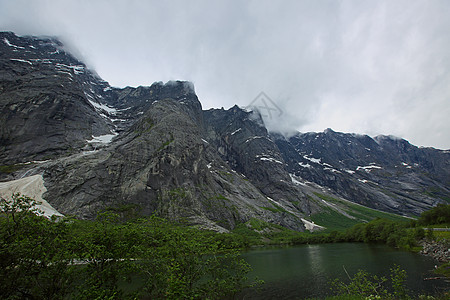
(312, 159)
(103, 107)
(309, 225)
(102, 139)
(332, 170)
(205, 141)
(349, 171)
(272, 200)
(270, 159)
(368, 168)
(22, 60)
(295, 181)
(254, 138)
(77, 69)
(11, 45)
(236, 131)
(304, 165)
(117, 120)
(33, 187)
(36, 162)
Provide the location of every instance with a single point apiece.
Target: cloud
(355, 66)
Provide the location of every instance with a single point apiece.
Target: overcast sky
(373, 67)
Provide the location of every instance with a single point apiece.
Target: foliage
(362, 284)
(444, 269)
(373, 287)
(34, 258)
(437, 215)
(395, 234)
(111, 258)
(119, 256)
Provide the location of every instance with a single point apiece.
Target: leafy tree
(34, 259)
(439, 214)
(69, 258)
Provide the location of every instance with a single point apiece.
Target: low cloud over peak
(375, 67)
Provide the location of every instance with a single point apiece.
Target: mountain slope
(385, 173)
(153, 150)
(46, 100)
(162, 165)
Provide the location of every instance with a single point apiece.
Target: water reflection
(306, 271)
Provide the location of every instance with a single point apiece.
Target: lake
(306, 271)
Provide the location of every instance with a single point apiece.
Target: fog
(369, 67)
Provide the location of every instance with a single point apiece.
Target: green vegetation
(444, 269)
(112, 259)
(439, 215)
(357, 212)
(395, 234)
(121, 256)
(275, 208)
(403, 234)
(10, 168)
(366, 286)
(333, 220)
(374, 287)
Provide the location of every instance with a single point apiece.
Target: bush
(68, 258)
(363, 284)
(437, 215)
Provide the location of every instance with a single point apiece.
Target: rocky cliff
(155, 151)
(384, 172)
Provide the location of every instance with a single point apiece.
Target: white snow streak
(312, 159)
(304, 166)
(108, 109)
(236, 131)
(295, 181)
(11, 45)
(368, 168)
(22, 60)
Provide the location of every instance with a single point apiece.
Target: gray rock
(157, 152)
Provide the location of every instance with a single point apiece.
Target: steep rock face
(162, 165)
(154, 150)
(45, 105)
(244, 143)
(386, 173)
(110, 147)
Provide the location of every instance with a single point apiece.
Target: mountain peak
(329, 131)
(154, 148)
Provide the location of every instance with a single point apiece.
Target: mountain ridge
(155, 149)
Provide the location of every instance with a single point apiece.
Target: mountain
(384, 172)
(154, 150)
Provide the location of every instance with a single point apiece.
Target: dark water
(306, 271)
